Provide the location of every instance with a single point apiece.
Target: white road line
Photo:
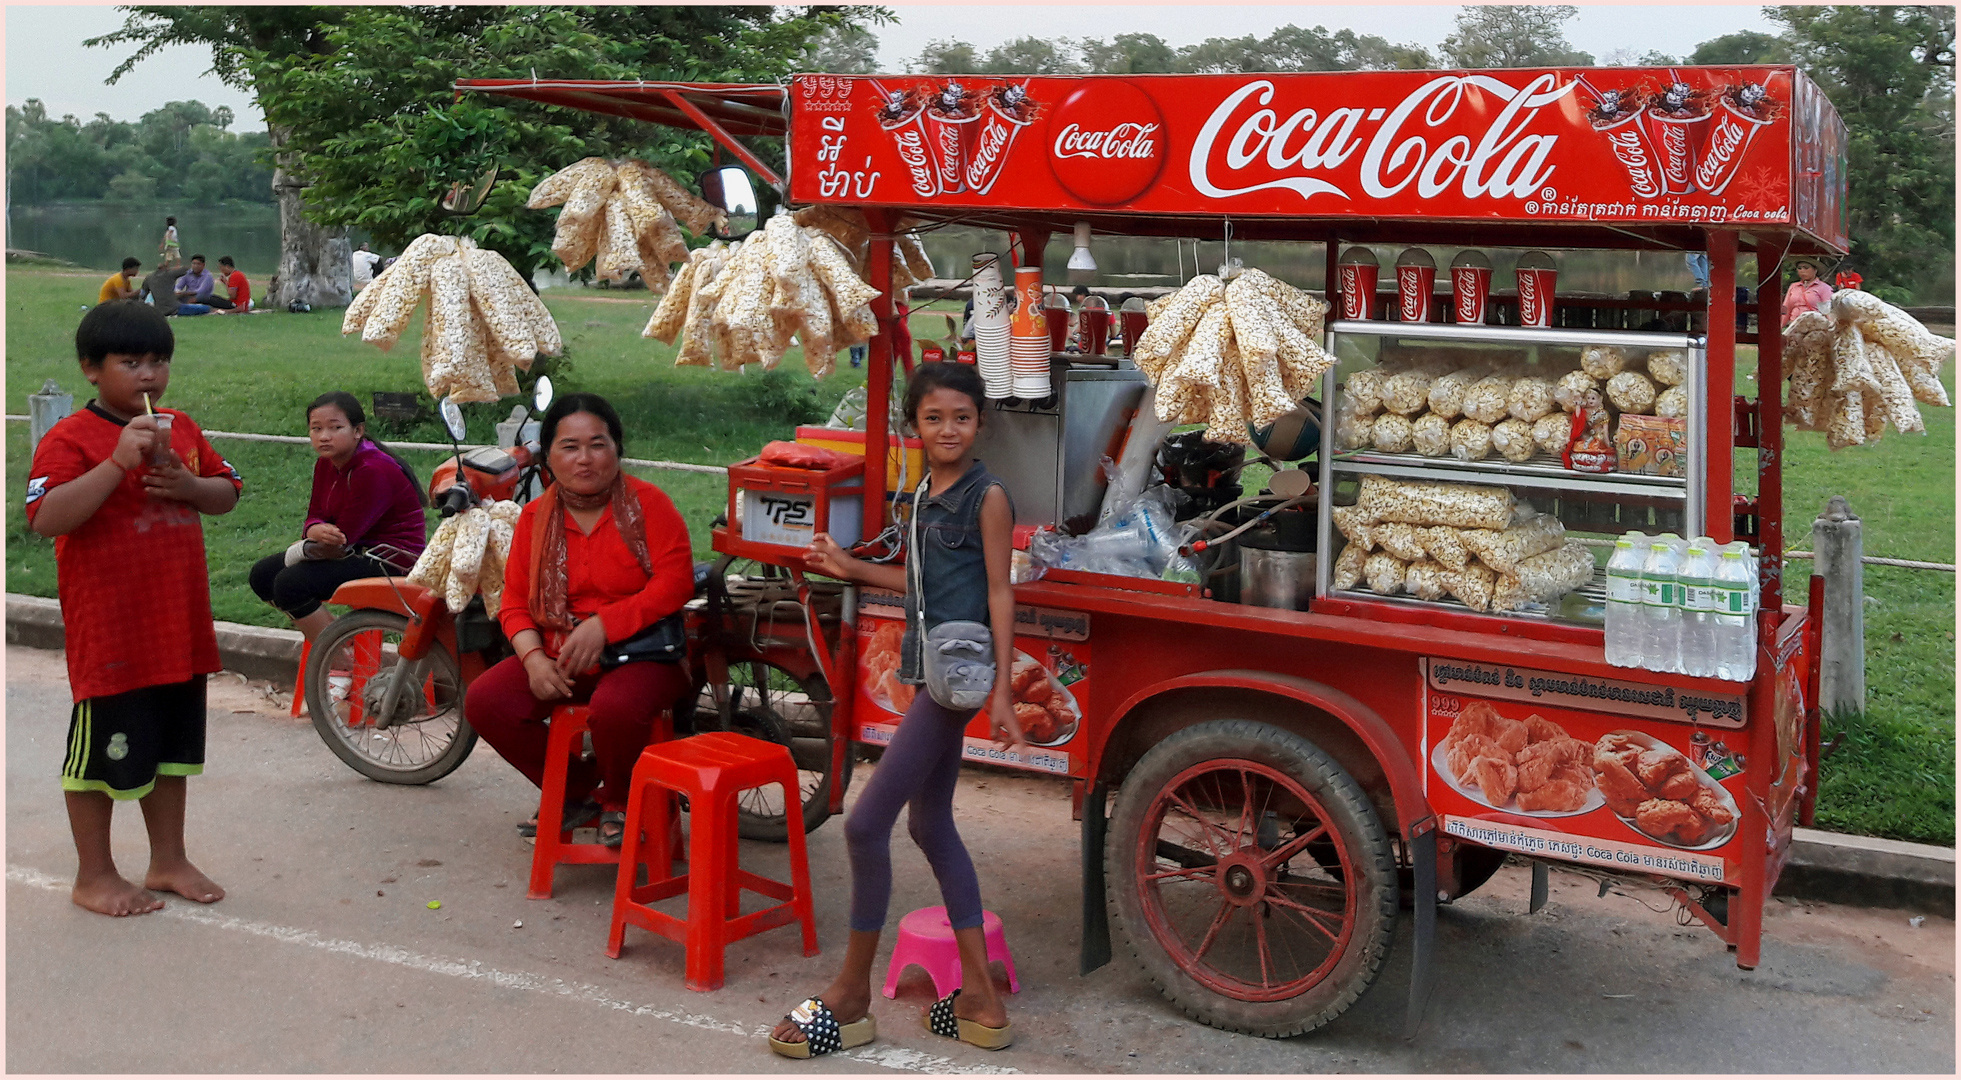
(889, 1057)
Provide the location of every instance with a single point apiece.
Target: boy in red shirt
(240, 299)
(120, 491)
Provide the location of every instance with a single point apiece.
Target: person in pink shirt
(1807, 293)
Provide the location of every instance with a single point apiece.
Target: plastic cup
(160, 448)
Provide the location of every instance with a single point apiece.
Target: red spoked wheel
(1255, 882)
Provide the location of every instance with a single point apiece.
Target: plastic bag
(790, 455)
(850, 413)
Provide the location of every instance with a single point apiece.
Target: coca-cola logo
(1633, 154)
(912, 150)
(1725, 143)
(1444, 133)
(1674, 140)
(1106, 142)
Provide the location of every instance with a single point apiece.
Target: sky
(45, 58)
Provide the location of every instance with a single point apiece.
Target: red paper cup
(1634, 148)
(1415, 285)
(995, 136)
(1097, 322)
(1358, 290)
(1057, 313)
(1535, 296)
(947, 139)
(1730, 136)
(1675, 141)
(1470, 288)
(909, 136)
(1134, 325)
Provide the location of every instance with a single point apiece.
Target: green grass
(1893, 777)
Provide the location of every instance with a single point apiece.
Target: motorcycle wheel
(769, 703)
(348, 673)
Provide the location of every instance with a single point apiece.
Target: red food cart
(1260, 787)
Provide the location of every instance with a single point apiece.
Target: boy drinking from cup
(119, 486)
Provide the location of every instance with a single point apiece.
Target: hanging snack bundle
(1861, 367)
(623, 216)
(1232, 354)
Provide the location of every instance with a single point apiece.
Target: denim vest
(952, 566)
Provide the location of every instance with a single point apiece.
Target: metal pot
(1275, 579)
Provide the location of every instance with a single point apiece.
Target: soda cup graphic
(948, 118)
(1416, 284)
(1470, 286)
(1357, 270)
(1536, 278)
(1001, 119)
(1675, 122)
(1619, 117)
(902, 116)
(1740, 114)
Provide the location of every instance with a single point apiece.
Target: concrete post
(45, 409)
(1836, 539)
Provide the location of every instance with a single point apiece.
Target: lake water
(101, 237)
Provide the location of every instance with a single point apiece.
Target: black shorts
(119, 744)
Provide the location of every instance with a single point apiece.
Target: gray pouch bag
(955, 657)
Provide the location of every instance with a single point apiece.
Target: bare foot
(185, 880)
(987, 1012)
(847, 1006)
(111, 894)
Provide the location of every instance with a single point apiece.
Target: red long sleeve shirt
(602, 577)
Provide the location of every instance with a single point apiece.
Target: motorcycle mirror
(541, 393)
(730, 189)
(466, 197)
(453, 419)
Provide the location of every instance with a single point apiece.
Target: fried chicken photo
(1619, 784)
(1565, 791)
(1710, 805)
(1538, 729)
(1496, 778)
(1665, 818)
(1468, 750)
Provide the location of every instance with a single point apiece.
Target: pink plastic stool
(926, 939)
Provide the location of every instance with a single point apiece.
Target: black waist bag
(665, 642)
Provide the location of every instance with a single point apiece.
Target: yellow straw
(147, 411)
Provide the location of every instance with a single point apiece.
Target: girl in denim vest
(966, 527)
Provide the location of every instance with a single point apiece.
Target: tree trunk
(314, 262)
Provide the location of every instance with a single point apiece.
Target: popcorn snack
(1571, 390)
(747, 302)
(1347, 571)
(1603, 362)
(1544, 578)
(1631, 392)
(1444, 545)
(1406, 393)
(1353, 523)
(1489, 399)
(1398, 539)
(1504, 549)
(1470, 440)
(1430, 435)
(1417, 502)
(1447, 393)
(1353, 432)
(1392, 433)
(1384, 573)
(1424, 580)
(1669, 367)
(1550, 433)
(1362, 393)
(1473, 585)
(1236, 355)
(1531, 398)
(1513, 439)
(1672, 402)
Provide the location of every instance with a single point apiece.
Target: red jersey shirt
(602, 577)
(242, 291)
(135, 592)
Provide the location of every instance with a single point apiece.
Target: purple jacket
(372, 501)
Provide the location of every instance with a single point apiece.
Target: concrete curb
(1832, 867)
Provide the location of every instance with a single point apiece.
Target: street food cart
(1260, 787)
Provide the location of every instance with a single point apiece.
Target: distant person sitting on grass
(194, 289)
(364, 520)
(160, 288)
(121, 492)
(121, 284)
(237, 298)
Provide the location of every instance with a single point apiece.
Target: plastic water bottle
(1661, 617)
(1624, 600)
(1736, 645)
(1698, 603)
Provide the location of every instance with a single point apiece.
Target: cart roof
(1549, 157)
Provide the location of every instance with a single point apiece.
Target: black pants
(222, 303)
(298, 590)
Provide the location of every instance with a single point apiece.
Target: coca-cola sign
(1642, 146)
(1106, 143)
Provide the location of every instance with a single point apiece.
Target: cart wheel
(770, 703)
(1212, 883)
(348, 673)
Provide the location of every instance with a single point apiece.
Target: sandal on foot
(939, 1020)
(574, 817)
(612, 818)
(822, 1034)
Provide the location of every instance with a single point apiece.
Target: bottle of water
(1624, 600)
(1661, 617)
(1698, 580)
(1736, 639)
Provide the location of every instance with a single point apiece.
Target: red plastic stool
(711, 769)
(555, 846)
(926, 939)
(299, 681)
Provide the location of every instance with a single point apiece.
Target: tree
(1129, 54)
(1033, 56)
(375, 124)
(1505, 36)
(174, 153)
(946, 56)
(1890, 72)
(845, 49)
(1626, 57)
(1742, 47)
(1292, 48)
(313, 262)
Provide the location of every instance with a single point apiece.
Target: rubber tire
(817, 808)
(1349, 812)
(322, 714)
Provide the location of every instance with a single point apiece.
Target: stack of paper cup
(992, 307)
(1029, 346)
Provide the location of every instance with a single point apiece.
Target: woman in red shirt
(1807, 293)
(599, 557)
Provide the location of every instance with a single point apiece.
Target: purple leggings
(918, 771)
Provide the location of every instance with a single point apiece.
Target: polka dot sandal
(940, 1021)
(822, 1034)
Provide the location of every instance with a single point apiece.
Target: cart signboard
(1734, 146)
(1600, 784)
(1050, 680)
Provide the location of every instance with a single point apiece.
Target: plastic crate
(784, 508)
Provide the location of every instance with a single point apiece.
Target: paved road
(326, 958)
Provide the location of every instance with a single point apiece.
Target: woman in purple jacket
(365, 518)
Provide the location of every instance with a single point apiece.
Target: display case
(1489, 411)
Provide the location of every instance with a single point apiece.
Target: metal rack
(1542, 473)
